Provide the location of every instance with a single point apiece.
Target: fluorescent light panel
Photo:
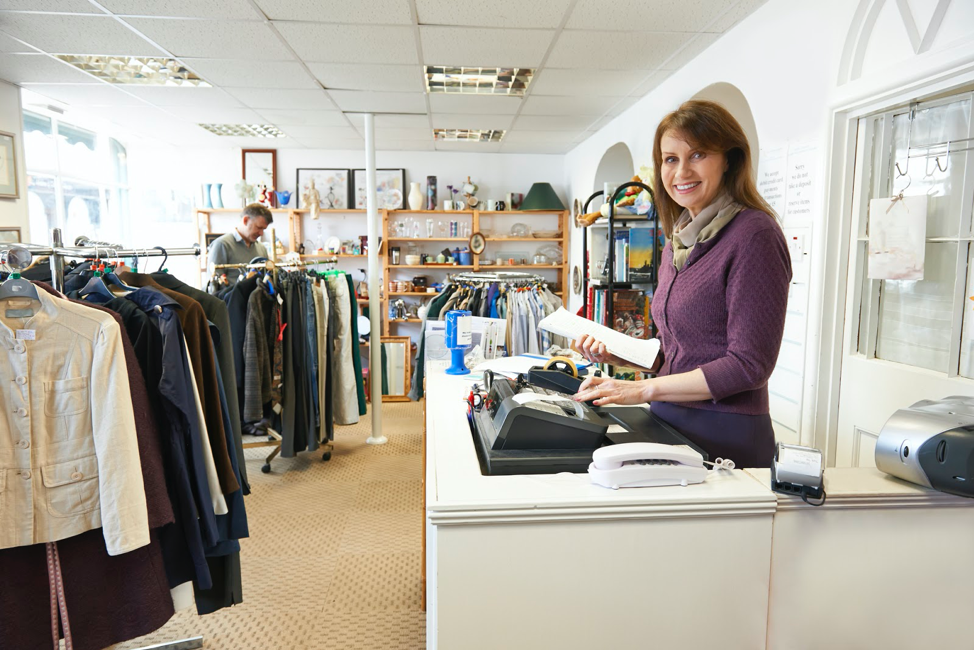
(249, 130)
(478, 81)
(468, 135)
(136, 70)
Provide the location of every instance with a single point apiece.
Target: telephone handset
(644, 464)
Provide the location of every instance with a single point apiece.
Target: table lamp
(542, 196)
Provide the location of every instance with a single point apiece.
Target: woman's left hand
(605, 390)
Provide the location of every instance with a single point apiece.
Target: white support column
(375, 285)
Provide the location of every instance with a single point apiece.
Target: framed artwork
(211, 237)
(260, 167)
(331, 185)
(390, 185)
(10, 235)
(8, 167)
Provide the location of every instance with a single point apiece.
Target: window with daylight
(77, 180)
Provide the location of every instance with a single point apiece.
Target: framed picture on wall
(8, 167)
(390, 185)
(211, 237)
(9, 235)
(260, 168)
(331, 185)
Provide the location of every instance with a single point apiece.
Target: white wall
(13, 212)
(795, 64)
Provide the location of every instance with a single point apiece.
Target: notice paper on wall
(642, 352)
(897, 237)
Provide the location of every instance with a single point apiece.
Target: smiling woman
(722, 293)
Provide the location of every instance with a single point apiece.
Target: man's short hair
(258, 210)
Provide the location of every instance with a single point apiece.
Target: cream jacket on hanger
(69, 460)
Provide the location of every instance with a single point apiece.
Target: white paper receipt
(642, 352)
(464, 330)
(26, 335)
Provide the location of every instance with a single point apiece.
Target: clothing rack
(57, 253)
(508, 277)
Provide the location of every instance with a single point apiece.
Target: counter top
(457, 492)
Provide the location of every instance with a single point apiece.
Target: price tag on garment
(26, 335)
(280, 300)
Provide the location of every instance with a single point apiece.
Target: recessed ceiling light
(468, 135)
(136, 70)
(478, 81)
(250, 130)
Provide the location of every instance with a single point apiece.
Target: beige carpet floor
(334, 558)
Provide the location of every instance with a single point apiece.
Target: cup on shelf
(412, 260)
(395, 254)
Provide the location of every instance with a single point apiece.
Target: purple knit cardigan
(724, 312)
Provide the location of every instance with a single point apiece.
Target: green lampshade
(542, 196)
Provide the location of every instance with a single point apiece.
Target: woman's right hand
(595, 351)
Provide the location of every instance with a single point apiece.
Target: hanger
(162, 268)
(111, 278)
(16, 286)
(96, 285)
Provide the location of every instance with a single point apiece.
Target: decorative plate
(333, 245)
(477, 243)
(577, 280)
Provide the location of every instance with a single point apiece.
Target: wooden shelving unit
(561, 270)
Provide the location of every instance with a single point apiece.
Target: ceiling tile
(282, 99)
(380, 12)
(184, 96)
(56, 6)
(650, 82)
(40, 68)
(471, 121)
(217, 39)
(614, 50)
(234, 72)
(622, 105)
(551, 137)
(607, 83)
(699, 43)
(593, 105)
(304, 118)
(349, 76)
(365, 101)
(737, 13)
(321, 132)
(357, 144)
(391, 121)
(405, 145)
(8, 44)
(85, 94)
(261, 143)
(469, 147)
(499, 13)
(554, 122)
(228, 9)
(350, 43)
(215, 115)
(475, 104)
(64, 34)
(394, 134)
(536, 147)
(645, 15)
(472, 46)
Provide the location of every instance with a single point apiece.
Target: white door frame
(833, 270)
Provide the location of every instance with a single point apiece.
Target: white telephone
(644, 464)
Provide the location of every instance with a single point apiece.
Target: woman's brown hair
(710, 127)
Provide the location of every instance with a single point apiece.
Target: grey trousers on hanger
(344, 395)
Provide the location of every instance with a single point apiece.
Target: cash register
(531, 424)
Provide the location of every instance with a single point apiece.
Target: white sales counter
(555, 562)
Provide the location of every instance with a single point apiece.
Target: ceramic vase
(283, 198)
(415, 197)
(431, 192)
(217, 191)
(206, 196)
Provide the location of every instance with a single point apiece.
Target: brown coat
(197, 331)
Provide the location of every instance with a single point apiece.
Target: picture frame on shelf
(390, 185)
(209, 238)
(332, 186)
(259, 167)
(10, 235)
(8, 167)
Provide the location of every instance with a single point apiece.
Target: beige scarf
(690, 231)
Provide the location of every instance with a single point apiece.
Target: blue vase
(283, 198)
(218, 197)
(206, 196)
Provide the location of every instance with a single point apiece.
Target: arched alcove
(728, 96)
(616, 166)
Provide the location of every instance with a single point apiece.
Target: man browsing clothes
(240, 245)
